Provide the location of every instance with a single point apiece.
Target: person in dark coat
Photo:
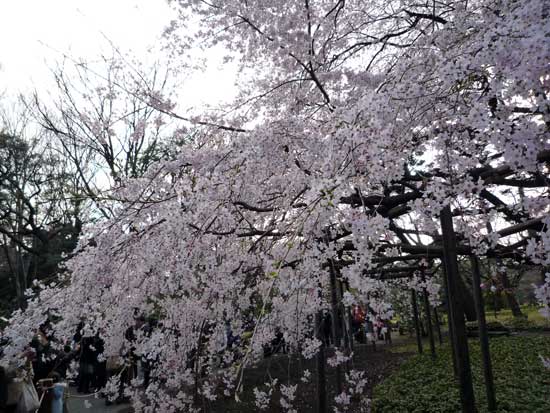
(327, 328)
(100, 363)
(44, 360)
(86, 370)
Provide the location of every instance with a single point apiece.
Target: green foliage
(422, 385)
(523, 324)
(410, 347)
(532, 320)
(491, 326)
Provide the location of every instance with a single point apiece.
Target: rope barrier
(83, 396)
(40, 402)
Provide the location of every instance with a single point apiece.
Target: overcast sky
(34, 34)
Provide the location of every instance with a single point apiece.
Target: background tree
(39, 220)
(108, 120)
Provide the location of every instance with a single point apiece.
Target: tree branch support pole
(336, 326)
(483, 336)
(450, 324)
(456, 313)
(343, 288)
(346, 325)
(322, 405)
(416, 321)
(438, 326)
(429, 321)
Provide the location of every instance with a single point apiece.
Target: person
(64, 358)
(358, 319)
(277, 345)
(76, 347)
(130, 370)
(231, 338)
(43, 360)
(7, 384)
(86, 368)
(28, 400)
(99, 379)
(328, 339)
(378, 329)
(386, 330)
(58, 394)
(370, 333)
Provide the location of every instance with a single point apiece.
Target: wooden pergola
(445, 248)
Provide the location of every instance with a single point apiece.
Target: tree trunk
(467, 299)
(15, 271)
(510, 296)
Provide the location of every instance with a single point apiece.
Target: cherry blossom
(357, 123)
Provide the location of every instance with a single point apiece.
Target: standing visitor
(58, 394)
(9, 389)
(86, 367)
(358, 319)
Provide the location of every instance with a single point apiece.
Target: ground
(76, 403)
(378, 363)
(404, 381)
(381, 363)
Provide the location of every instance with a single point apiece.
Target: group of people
(36, 384)
(92, 371)
(40, 381)
(365, 330)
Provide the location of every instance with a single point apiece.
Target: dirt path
(77, 403)
(378, 364)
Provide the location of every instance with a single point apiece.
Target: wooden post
(370, 326)
(322, 405)
(416, 322)
(460, 341)
(450, 324)
(438, 326)
(346, 325)
(429, 321)
(344, 286)
(483, 336)
(336, 330)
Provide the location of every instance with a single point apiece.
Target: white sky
(34, 34)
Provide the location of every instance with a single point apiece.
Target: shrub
(422, 385)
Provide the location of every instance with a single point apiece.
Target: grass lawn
(422, 385)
